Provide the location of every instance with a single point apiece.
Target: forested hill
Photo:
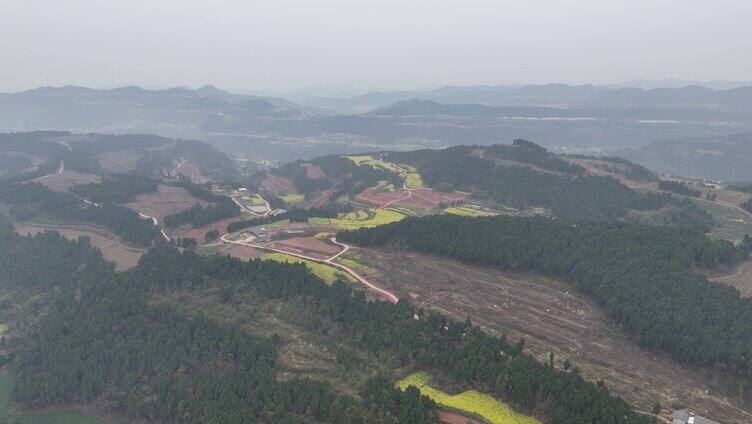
(100, 340)
(640, 274)
(525, 175)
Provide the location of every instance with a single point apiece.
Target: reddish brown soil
(165, 201)
(63, 182)
(553, 318)
(428, 198)
(424, 198)
(112, 249)
(309, 246)
(237, 251)
(454, 418)
(200, 233)
(313, 171)
(320, 199)
(278, 186)
(379, 199)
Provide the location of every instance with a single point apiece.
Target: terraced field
(472, 402)
(467, 211)
(360, 219)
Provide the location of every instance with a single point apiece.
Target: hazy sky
(284, 45)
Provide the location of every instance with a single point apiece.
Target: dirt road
(387, 295)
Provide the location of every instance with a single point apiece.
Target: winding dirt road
(386, 295)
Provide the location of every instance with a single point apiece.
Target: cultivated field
(360, 219)
(731, 223)
(313, 171)
(190, 169)
(165, 201)
(471, 401)
(112, 249)
(467, 211)
(234, 250)
(278, 186)
(200, 233)
(325, 272)
(553, 318)
(308, 246)
(292, 198)
(67, 179)
(424, 198)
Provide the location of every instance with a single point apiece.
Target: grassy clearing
(62, 417)
(325, 272)
(408, 173)
(360, 219)
(466, 211)
(293, 198)
(357, 266)
(257, 201)
(472, 402)
(384, 186)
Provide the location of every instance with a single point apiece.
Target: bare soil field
(166, 200)
(115, 162)
(422, 198)
(190, 169)
(552, 318)
(428, 198)
(278, 186)
(320, 199)
(236, 251)
(112, 249)
(200, 233)
(454, 418)
(313, 171)
(63, 182)
(309, 246)
(740, 277)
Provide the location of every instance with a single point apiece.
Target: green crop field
(731, 224)
(256, 200)
(355, 265)
(62, 417)
(408, 173)
(293, 198)
(360, 219)
(325, 272)
(465, 211)
(472, 402)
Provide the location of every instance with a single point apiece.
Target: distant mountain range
(549, 95)
(565, 118)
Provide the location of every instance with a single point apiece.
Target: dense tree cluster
(197, 191)
(10, 164)
(45, 168)
(460, 351)
(118, 188)
(682, 213)
(530, 153)
(640, 274)
(747, 205)
(678, 187)
(743, 187)
(29, 200)
(592, 198)
(620, 166)
(198, 216)
(37, 143)
(299, 176)
(349, 178)
(101, 339)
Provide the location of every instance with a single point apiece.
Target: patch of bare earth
(192, 170)
(739, 277)
(67, 179)
(423, 198)
(165, 201)
(313, 171)
(308, 246)
(200, 233)
(112, 249)
(321, 199)
(552, 318)
(278, 186)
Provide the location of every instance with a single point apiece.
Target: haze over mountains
(565, 118)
